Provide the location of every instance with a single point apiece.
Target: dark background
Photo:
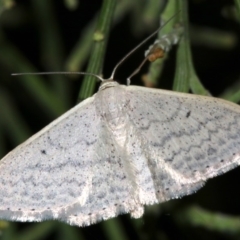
(23, 114)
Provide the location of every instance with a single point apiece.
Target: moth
(121, 149)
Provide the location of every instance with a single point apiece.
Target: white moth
(121, 149)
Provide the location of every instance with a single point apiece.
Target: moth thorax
(113, 106)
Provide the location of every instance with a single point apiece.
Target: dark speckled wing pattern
(117, 151)
(50, 174)
(189, 138)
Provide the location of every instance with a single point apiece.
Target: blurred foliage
(48, 35)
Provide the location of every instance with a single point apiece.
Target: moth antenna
(138, 46)
(60, 73)
(115, 68)
(136, 70)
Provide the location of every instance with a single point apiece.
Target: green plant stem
(156, 67)
(237, 3)
(185, 75)
(81, 51)
(199, 217)
(181, 79)
(99, 48)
